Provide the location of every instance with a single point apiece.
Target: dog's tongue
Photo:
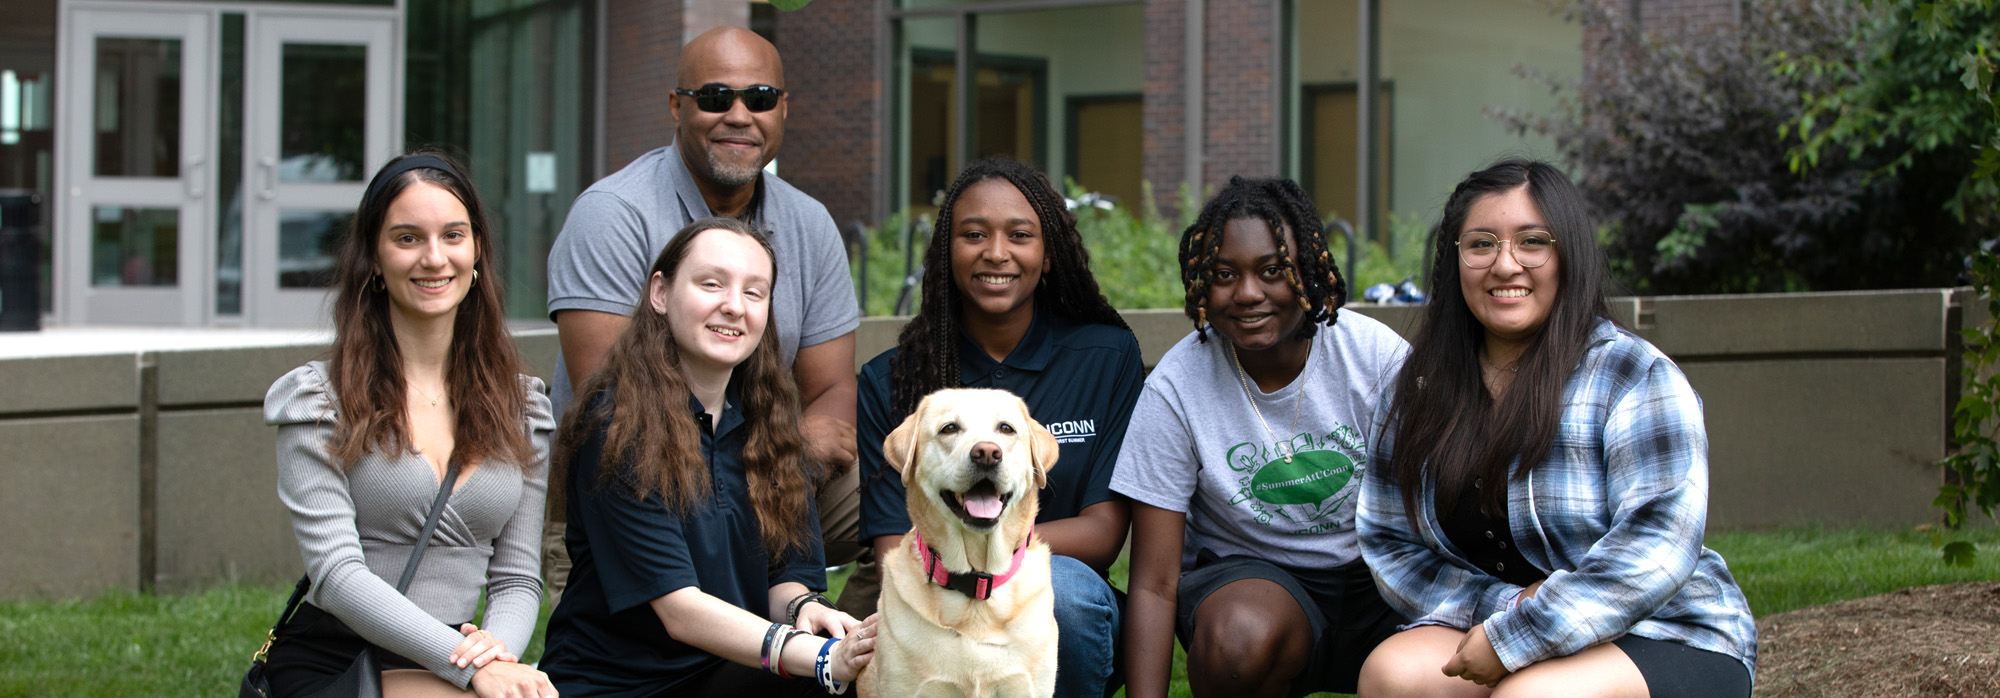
(982, 505)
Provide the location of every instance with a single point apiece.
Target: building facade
(198, 159)
(1107, 93)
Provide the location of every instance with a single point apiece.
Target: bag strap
(430, 527)
(291, 606)
(409, 568)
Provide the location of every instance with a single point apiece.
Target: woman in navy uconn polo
(1010, 304)
(697, 557)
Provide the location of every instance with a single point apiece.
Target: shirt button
(1502, 566)
(1503, 545)
(1489, 535)
(1000, 373)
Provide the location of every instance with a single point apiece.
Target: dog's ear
(1042, 448)
(900, 448)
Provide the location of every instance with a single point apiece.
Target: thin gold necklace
(1298, 401)
(425, 395)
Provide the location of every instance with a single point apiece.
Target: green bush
(1134, 254)
(885, 248)
(1376, 263)
(1136, 258)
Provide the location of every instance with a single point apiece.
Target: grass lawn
(129, 644)
(1789, 569)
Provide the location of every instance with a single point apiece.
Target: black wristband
(799, 602)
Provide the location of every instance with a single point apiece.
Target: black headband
(395, 169)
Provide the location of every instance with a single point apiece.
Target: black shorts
(316, 647)
(1348, 616)
(1674, 670)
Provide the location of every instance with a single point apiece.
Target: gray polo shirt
(620, 224)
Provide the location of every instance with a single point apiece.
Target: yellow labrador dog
(966, 608)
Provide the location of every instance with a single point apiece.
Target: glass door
(134, 179)
(320, 102)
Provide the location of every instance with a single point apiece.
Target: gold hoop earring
(381, 285)
(475, 278)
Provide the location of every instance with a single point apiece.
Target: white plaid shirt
(1615, 516)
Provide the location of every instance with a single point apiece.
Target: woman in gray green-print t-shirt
(1242, 459)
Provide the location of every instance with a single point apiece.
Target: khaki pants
(839, 523)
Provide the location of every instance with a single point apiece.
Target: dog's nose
(986, 454)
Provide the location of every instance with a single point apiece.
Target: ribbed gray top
(356, 527)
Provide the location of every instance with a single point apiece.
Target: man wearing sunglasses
(729, 119)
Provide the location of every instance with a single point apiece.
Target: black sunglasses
(716, 98)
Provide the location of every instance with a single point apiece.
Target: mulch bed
(1936, 642)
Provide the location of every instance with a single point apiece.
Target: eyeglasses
(716, 98)
(1532, 248)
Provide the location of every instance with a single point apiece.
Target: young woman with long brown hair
(695, 554)
(422, 373)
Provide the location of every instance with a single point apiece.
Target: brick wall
(1162, 109)
(643, 40)
(832, 149)
(1242, 120)
(1239, 128)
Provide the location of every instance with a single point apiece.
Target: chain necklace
(1285, 446)
(1497, 377)
(425, 395)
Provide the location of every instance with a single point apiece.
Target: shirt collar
(732, 407)
(1604, 331)
(1032, 353)
(689, 192)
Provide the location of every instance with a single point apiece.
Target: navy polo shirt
(1079, 380)
(604, 638)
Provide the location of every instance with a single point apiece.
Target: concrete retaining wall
(153, 469)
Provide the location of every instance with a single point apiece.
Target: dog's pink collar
(978, 585)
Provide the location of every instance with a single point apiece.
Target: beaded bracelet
(823, 669)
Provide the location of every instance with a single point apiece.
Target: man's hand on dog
(850, 655)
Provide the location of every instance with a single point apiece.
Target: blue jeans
(1087, 614)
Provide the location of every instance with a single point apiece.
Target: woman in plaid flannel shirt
(1543, 527)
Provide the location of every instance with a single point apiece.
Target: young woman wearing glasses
(1542, 520)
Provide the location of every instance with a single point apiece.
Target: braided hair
(1282, 205)
(926, 357)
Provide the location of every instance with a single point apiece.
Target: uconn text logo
(1075, 431)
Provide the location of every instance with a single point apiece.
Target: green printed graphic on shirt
(1303, 495)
